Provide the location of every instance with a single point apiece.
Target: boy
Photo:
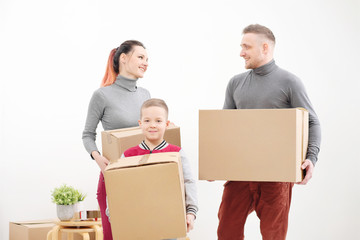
(153, 122)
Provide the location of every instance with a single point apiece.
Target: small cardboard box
(253, 144)
(36, 230)
(30, 230)
(146, 197)
(115, 142)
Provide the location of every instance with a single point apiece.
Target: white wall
(53, 55)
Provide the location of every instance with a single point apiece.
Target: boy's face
(154, 123)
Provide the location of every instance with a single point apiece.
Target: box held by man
(253, 144)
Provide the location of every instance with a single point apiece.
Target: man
(264, 86)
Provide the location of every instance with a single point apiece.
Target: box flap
(305, 131)
(123, 132)
(126, 132)
(123, 129)
(144, 160)
(301, 108)
(305, 136)
(33, 222)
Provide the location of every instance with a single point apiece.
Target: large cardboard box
(115, 142)
(36, 230)
(146, 197)
(252, 144)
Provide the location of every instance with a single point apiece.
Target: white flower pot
(79, 206)
(65, 212)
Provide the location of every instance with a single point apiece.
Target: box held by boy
(146, 197)
(115, 142)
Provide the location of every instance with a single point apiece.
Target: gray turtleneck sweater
(272, 87)
(116, 106)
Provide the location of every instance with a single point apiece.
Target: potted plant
(65, 197)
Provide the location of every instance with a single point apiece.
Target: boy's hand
(190, 221)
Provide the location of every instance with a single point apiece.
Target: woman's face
(134, 64)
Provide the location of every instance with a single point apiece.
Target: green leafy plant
(66, 195)
(81, 196)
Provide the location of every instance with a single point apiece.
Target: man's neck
(265, 62)
(265, 69)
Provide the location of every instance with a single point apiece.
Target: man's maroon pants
(270, 201)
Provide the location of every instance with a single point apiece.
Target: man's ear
(265, 48)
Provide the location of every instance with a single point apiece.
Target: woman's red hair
(113, 64)
(110, 75)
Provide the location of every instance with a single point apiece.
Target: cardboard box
(252, 144)
(146, 197)
(36, 230)
(115, 142)
(30, 230)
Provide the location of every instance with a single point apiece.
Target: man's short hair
(154, 102)
(259, 29)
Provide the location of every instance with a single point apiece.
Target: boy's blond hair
(154, 102)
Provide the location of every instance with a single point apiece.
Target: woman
(117, 105)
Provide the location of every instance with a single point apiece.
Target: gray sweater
(272, 87)
(116, 106)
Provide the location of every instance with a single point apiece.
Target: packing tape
(87, 214)
(109, 138)
(144, 159)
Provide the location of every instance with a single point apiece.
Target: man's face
(251, 51)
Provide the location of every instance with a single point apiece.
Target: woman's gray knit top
(116, 106)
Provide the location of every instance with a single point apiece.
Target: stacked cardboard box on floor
(36, 230)
(146, 197)
(115, 142)
(30, 230)
(252, 144)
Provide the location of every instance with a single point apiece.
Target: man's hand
(309, 168)
(190, 221)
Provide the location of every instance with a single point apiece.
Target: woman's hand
(101, 161)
